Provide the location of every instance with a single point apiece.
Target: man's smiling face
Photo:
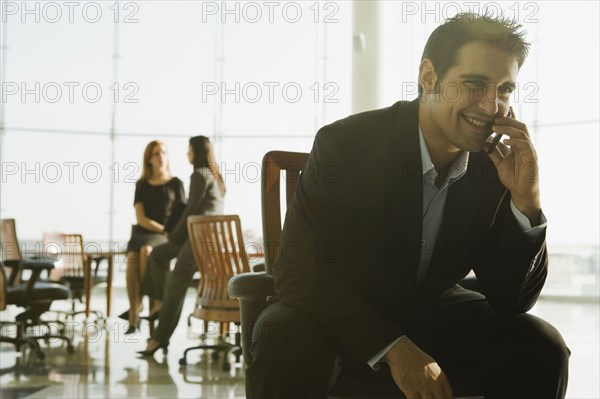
(472, 93)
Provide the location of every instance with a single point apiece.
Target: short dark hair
(447, 39)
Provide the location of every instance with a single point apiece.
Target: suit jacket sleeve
(198, 188)
(512, 266)
(309, 262)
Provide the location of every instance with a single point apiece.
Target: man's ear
(427, 76)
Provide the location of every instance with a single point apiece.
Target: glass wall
(86, 85)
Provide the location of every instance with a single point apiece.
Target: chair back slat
(69, 252)
(234, 260)
(218, 248)
(9, 244)
(274, 162)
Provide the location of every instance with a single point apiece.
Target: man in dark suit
(394, 208)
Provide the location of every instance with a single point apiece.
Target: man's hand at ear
(416, 373)
(517, 164)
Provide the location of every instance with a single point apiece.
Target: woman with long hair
(156, 193)
(168, 288)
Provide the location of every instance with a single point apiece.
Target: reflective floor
(105, 364)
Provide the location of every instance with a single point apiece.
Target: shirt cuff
(531, 232)
(375, 360)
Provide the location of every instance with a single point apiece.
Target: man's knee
(283, 334)
(542, 343)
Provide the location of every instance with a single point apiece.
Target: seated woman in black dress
(168, 287)
(156, 194)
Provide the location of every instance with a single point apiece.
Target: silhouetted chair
(34, 295)
(17, 340)
(220, 254)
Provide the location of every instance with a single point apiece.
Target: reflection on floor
(105, 364)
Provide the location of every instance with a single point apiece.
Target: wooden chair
(220, 254)
(10, 249)
(253, 289)
(2, 290)
(74, 268)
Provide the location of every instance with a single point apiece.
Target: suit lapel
(404, 186)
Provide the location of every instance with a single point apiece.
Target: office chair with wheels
(220, 254)
(17, 341)
(34, 295)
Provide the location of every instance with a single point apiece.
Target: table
(98, 255)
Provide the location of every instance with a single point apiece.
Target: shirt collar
(459, 165)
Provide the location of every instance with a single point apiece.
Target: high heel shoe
(124, 315)
(132, 328)
(145, 353)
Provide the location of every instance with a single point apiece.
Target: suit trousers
(483, 353)
(169, 286)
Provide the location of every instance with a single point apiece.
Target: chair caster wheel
(183, 361)
(70, 349)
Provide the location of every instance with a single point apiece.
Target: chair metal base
(222, 346)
